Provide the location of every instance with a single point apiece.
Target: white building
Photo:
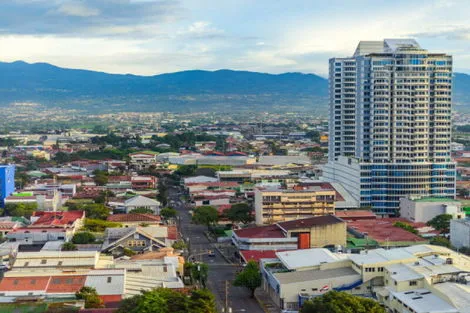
(422, 278)
(421, 210)
(460, 233)
(390, 123)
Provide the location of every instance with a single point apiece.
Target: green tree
(341, 302)
(205, 215)
(95, 225)
(142, 211)
(164, 300)
(83, 238)
(199, 273)
(92, 210)
(69, 246)
(239, 213)
(103, 196)
(406, 227)
(202, 301)
(61, 157)
(20, 209)
(91, 297)
(186, 170)
(100, 177)
(440, 241)
(441, 223)
(162, 196)
(168, 213)
(249, 278)
(179, 245)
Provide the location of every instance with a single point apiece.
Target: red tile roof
(30, 283)
(57, 219)
(133, 217)
(256, 255)
(270, 231)
(172, 232)
(215, 184)
(382, 230)
(66, 284)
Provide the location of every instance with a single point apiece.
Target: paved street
(219, 270)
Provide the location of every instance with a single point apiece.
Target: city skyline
(151, 37)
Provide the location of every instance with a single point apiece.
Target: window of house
(413, 282)
(43, 261)
(109, 280)
(26, 264)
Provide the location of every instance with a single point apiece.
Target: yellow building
(273, 205)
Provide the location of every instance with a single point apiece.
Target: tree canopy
(249, 278)
(239, 213)
(205, 215)
(83, 238)
(164, 300)
(142, 210)
(341, 302)
(168, 213)
(91, 297)
(92, 210)
(20, 209)
(441, 222)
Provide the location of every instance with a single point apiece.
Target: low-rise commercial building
(273, 205)
(424, 209)
(306, 233)
(421, 278)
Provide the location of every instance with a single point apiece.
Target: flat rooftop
(308, 257)
(423, 301)
(312, 275)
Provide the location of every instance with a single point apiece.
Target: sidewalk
(265, 302)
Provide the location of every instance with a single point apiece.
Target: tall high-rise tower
(390, 123)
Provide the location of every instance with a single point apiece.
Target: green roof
(228, 233)
(434, 199)
(23, 194)
(361, 242)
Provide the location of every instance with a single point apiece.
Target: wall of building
(423, 211)
(460, 233)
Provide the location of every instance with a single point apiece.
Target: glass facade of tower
(390, 110)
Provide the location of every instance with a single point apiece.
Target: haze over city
(157, 36)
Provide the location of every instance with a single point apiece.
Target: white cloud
(75, 8)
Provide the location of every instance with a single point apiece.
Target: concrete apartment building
(419, 279)
(273, 205)
(390, 123)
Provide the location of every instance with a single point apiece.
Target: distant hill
(221, 90)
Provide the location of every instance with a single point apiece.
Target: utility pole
(226, 296)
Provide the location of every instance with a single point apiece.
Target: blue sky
(157, 36)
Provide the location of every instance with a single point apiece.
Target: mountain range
(196, 90)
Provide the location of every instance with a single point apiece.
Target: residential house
(137, 202)
(135, 219)
(48, 226)
(137, 239)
